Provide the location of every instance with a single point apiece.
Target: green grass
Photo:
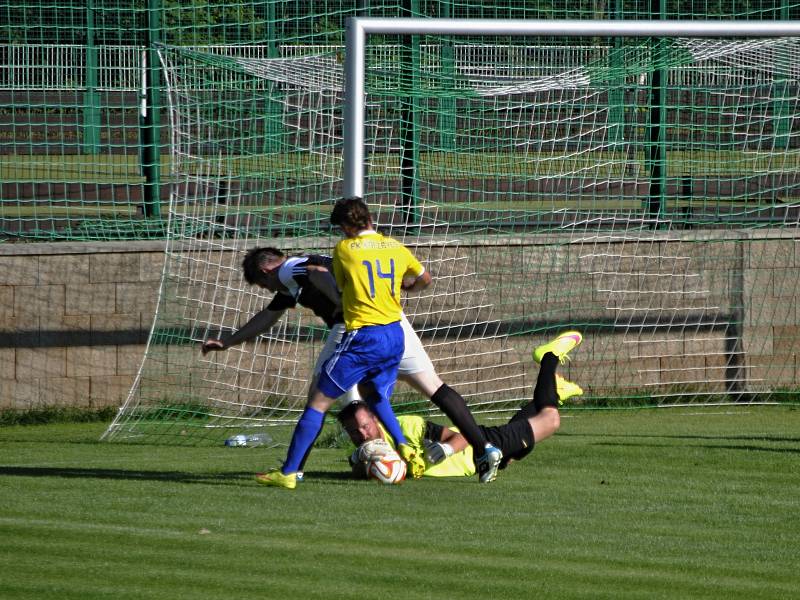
(680, 503)
(100, 168)
(56, 414)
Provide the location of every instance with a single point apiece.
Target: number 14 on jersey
(376, 270)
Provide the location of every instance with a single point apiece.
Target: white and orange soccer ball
(389, 469)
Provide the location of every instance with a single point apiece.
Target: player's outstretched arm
(212, 345)
(260, 322)
(456, 441)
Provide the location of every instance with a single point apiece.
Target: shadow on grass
(731, 438)
(745, 447)
(171, 476)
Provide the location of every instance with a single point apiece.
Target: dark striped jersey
(293, 273)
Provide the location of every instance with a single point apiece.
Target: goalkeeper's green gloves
(415, 462)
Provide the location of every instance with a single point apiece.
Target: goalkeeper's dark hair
(352, 212)
(349, 411)
(254, 259)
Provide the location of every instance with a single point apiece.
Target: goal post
(357, 29)
(642, 189)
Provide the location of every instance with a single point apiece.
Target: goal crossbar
(359, 28)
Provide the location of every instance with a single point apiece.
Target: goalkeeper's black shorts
(514, 439)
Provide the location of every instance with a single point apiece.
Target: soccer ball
(389, 469)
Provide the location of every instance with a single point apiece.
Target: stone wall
(74, 320)
(719, 314)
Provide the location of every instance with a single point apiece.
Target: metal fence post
(150, 117)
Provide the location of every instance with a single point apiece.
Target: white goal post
(358, 28)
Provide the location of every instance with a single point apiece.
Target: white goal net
(645, 193)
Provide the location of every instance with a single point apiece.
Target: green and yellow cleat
(277, 479)
(566, 389)
(560, 346)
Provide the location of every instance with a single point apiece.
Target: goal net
(644, 192)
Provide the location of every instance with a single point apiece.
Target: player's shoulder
(292, 272)
(293, 262)
(410, 420)
(378, 241)
(386, 239)
(342, 245)
(319, 260)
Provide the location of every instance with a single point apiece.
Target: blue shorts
(369, 354)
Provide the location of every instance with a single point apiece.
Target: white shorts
(415, 359)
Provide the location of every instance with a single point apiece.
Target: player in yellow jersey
(447, 453)
(371, 270)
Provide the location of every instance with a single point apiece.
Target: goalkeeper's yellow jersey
(459, 465)
(369, 270)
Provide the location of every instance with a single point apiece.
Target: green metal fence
(83, 136)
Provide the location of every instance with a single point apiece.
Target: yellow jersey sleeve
(369, 270)
(413, 428)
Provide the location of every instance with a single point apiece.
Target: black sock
(544, 394)
(455, 407)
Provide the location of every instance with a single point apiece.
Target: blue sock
(305, 432)
(384, 411)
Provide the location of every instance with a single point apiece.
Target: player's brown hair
(352, 212)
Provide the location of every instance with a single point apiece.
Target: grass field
(677, 503)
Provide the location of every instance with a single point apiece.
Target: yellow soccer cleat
(277, 479)
(414, 460)
(566, 389)
(564, 343)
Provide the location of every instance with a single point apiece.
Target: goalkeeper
(446, 452)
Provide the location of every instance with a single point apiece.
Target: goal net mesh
(644, 192)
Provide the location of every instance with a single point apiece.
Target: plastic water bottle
(257, 439)
(248, 441)
(236, 441)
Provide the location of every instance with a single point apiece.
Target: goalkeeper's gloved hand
(437, 451)
(415, 462)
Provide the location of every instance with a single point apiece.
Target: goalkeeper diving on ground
(446, 452)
